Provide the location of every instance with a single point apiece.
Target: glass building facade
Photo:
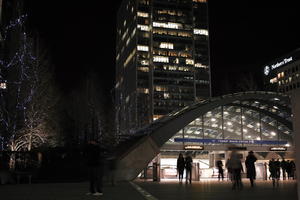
(162, 59)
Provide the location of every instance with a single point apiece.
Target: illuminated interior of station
(263, 126)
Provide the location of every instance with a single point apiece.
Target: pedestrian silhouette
(251, 172)
(220, 170)
(293, 169)
(180, 167)
(273, 172)
(283, 166)
(94, 156)
(288, 169)
(277, 168)
(188, 168)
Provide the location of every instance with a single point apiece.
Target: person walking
(293, 169)
(180, 167)
(188, 169)
(288, 169)
(273, 172)
(283, 166)
(235, 164)
(277, 168)
(250, 166)
(94, 156)
(221, 171)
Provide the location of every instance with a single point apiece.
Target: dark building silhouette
(283, 74)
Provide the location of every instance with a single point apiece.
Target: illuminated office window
(200, 32)
(185, 55)
(143, 69)
(142, 14)
(166, 45)
(166, 95)
(184, 69)
(155, 117)
(143, 27)
(171, 25)
(200, 1)
(3, 85)
(176, 61)
(161, 59)
(143, 90)
(172, 68)
(171, 53)
(189, 61)
(161, 89)
(142, 48)
(174, 33)
(199, 65)
(184, 34)
(160, 32)
(273, 80)
(144, 62)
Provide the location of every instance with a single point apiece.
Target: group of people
(235, 167)
(288, 169)
(187, 164)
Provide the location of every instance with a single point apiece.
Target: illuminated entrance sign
(267, 68)
(278, 149)
(193, 147)
(230, 141)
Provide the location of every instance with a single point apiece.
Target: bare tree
(30, 97)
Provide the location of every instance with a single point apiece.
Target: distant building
(162, 59)
(283, 74)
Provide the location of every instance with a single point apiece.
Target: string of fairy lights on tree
(19, 90)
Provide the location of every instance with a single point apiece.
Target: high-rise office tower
(162, 59)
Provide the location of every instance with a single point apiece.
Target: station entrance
(164, 166)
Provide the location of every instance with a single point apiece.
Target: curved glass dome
(250, 122)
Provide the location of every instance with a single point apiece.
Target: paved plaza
(141, 190)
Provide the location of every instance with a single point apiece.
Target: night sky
(244, 35)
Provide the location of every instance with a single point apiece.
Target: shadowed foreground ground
(165, 190)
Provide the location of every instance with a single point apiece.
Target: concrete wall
(296, 124)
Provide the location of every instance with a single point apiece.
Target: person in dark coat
(250, 166)
(288, 169)
(273, 172)
(188, 168)
(293, 169)
(95, 162)
(180, 166)
(221, 171)
(277, 167)
(283, 166)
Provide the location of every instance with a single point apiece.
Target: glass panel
(232, 122)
